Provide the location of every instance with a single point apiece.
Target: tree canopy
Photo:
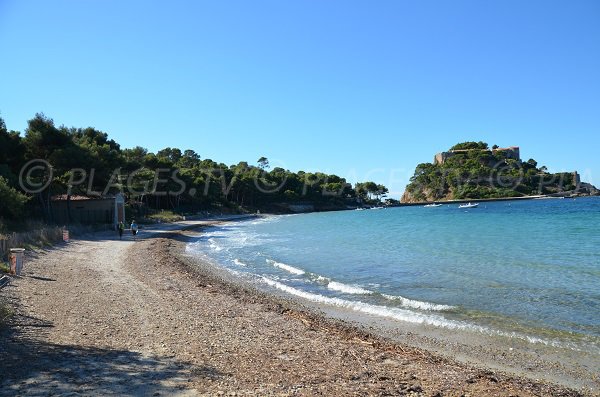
(86, 161)
(13, 201)
(470, 145)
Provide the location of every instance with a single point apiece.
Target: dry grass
(35, 238)
(40, 235)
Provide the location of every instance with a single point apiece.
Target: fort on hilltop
(512, 152)
(473, 170)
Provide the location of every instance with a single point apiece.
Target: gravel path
(109, 317)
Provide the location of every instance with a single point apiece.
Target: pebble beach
(99, 316)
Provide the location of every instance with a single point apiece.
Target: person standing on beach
(120, 228)
(134, 228)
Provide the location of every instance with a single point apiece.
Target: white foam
(288, 268)
(414, 304)
(191, 247)
(400, 314)
(214, 245)
(234, 272)
(239, 262)
(395, 313)
(266, 219)
(347, 289)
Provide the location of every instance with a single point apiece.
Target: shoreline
(102, 316)
(488, 200)
(522, 360)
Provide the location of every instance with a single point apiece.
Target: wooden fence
(40, 237)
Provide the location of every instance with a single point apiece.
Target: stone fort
(512, 152)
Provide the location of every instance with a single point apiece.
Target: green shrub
(164, 216)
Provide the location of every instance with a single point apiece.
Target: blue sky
(363, 89)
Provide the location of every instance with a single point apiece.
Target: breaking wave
(288, 268)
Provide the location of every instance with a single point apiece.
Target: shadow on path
(30, 366)
(159, 230)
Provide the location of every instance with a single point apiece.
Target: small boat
(377, 208)
(432, 205)
(474, 205)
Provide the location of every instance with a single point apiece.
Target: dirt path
(81, 315)
(110, 317)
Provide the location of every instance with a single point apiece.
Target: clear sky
(364, 89)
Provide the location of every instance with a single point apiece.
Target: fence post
(16, 260)
(3, 247)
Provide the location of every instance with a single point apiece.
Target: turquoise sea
(524, 269)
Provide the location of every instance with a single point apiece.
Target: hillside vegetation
(474, 171)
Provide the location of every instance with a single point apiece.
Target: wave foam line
(239, 262)
(395, 313)
(288, 268)
(401, 314)
(266, 219)
(356, 290)
(348, 289)
(214, 245)
(318, 278)
(417, 304)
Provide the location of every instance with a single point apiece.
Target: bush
(164, 216)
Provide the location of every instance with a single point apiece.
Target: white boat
(377, 208)
(474, 205)
(432, 205)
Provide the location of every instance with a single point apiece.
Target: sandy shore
(100, 316)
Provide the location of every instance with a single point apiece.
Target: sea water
(523, 269)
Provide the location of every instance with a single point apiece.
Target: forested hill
(46, 162)
(473, 170)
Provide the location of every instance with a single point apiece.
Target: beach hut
(88, 210)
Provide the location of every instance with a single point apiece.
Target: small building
(88, 210)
